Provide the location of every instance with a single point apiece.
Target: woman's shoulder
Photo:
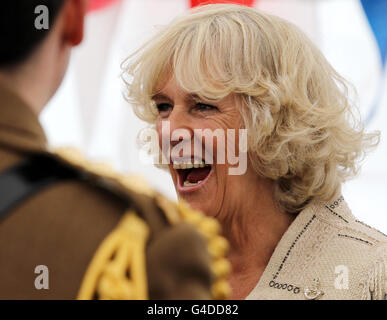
(326, 253)
(348, 233)
(355, 251)
(369, 255)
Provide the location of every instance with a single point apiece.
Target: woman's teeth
(188, 165)
(190, 184)
(190, 177)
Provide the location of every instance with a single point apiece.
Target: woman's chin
(204, 206)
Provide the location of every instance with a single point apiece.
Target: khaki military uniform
(100, 236)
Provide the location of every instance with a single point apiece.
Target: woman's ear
(74, 20)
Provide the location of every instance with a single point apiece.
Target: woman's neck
(253, 233)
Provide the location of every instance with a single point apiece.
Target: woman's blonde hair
(302, 132)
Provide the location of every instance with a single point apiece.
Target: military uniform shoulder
(98, 170)
(133, 189)
(148, 213)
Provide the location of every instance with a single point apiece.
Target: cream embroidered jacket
(326, 254)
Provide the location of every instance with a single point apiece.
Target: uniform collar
(19, 125)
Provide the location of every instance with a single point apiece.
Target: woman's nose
(179, 126)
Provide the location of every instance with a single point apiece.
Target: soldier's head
(37, 37)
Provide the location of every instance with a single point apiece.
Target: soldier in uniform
(70, 228)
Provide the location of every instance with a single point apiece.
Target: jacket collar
(19, 125)
(306, 236)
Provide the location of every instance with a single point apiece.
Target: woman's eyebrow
(189, 98)
(192, 97)
(160, 96)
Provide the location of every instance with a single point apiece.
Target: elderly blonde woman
(292, 234)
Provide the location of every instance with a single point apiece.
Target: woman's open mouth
(191, 176)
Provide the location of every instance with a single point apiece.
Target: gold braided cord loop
(117, 270)
(106, 276)
(169, 208)
(217, 247)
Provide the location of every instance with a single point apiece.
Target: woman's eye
(164, 108)
(205, 107)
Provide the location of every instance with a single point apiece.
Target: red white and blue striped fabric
(100, 4)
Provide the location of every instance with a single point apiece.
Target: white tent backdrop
(89, 111)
